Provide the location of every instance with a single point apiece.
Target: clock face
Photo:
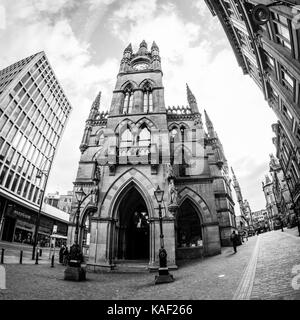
(141, 66)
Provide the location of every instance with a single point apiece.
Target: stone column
(71, 235)
(138, 101)
(169, 241)
(100, 244)
(211, 239)
(117, 103)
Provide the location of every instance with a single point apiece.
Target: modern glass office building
(33, 113)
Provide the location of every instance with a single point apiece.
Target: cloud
(193, 49)
(30, 32)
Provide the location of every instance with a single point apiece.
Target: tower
(138, 145)
(246, 214)
(271, 202)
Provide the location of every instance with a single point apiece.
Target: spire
(143, 44)
(234, 177)
(154, 46)
(209, 125)
(208, 122)
(191, 100)
(128, 49)
(267, 179)
(143, 48)
(95, 106)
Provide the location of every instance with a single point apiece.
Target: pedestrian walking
(234, 239)
(65, 256)
(61, 254)
(246, 234)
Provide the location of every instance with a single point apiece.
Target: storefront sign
(24, 225)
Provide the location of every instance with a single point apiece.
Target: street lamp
(39, 176)
(261, 13)
(163, 272)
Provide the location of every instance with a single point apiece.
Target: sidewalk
(13, 250)
(292, 231)
(214, 277)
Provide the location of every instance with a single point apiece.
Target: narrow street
(265, 267)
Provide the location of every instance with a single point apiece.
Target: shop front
(19, 225)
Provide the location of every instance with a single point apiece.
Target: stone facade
(134, 148)
(270, 53)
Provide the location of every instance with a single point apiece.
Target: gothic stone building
(134, 148)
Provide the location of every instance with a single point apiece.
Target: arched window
(177, 141)
(126, 139)
(128, 100)
(100, 139)
(148, 99)
(144, 138)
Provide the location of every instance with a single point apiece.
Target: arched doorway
(189, 231)
(132, 229)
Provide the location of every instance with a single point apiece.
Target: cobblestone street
(262, 269)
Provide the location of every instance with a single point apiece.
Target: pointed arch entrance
(132, 233)
(189, 228)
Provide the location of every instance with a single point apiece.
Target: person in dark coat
(234, 239)
(61, 254)
(65, 256)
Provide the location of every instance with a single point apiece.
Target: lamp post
(261, 12)
(163, 272)
(81, 196)
(39, 175)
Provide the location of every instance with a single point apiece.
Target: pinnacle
(96, 103)
(129, 48)
(191, 98)
(154, 46)
(143, 44)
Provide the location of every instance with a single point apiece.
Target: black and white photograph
(149, 151)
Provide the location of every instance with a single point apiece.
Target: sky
(84, 42)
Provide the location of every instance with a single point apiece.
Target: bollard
(21, 257)
(52, 262)
(37, 258)
(2, 256)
